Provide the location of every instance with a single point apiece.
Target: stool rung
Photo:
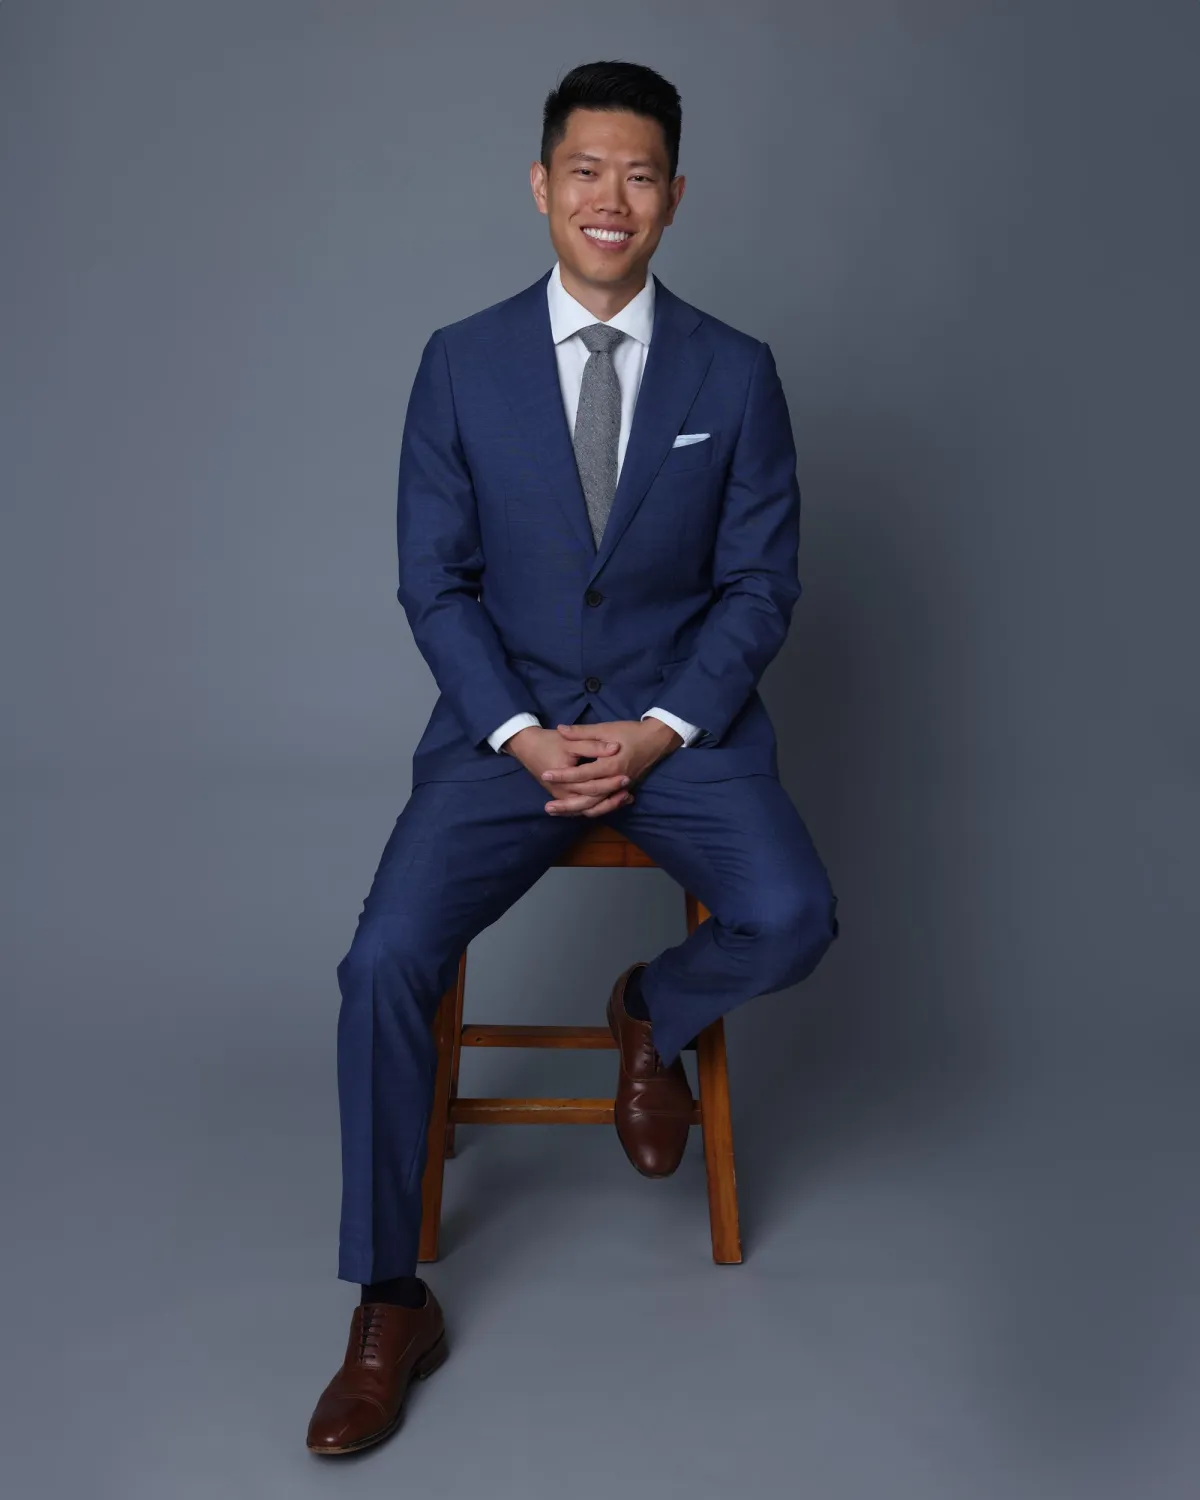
(536, 1112)
(585, 1038)
(538, 1036)
(531, 1111)
(600, 846)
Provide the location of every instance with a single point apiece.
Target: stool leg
(716, 1125)
(435, 1161)
(456, 1048)
(717, 1128)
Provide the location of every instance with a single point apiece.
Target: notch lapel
(526, 371)
(675, 366)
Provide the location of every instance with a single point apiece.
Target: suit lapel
(526, 371)
(675, 366)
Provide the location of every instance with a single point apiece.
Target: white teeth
(607, 234)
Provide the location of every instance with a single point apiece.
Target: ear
(678, 184)
(537, 183)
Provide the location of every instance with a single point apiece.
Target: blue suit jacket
(688, 597)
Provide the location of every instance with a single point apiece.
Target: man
(597, 525)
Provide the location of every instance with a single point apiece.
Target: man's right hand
(541, 750)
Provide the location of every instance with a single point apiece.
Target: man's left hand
(643, 742)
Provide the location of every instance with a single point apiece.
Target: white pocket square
(685, 438)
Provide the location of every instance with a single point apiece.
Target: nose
(610, 194)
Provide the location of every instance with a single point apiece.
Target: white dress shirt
(636, 321)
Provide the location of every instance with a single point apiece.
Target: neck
(603, 302)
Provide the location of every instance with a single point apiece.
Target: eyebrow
(641, 161)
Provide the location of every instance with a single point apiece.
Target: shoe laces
(650, 1059)
(370, 1328)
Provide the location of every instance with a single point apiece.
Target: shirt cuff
(687, 732)
(510, 726)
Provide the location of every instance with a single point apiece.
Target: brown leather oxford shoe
(653, 1107)
(389, 1348)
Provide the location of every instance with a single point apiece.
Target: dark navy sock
(400, 1291)
(634, 1004)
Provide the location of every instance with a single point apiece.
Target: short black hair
(613, 85)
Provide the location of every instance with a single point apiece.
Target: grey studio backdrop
(966, 1146)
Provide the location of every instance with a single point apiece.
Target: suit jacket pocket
(690, 456)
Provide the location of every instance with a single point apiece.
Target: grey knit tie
(598, 424)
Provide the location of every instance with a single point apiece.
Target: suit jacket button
(592, 684)
(593, 596)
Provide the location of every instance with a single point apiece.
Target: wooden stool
(601, 847)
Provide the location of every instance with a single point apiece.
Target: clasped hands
(592, 766)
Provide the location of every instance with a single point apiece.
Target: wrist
(662, 734)
(507, 747)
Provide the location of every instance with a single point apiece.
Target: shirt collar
(567, 317)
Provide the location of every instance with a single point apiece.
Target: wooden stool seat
(600, 847)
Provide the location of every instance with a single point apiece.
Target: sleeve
(499, 737)
(688, 733)
(441, 559)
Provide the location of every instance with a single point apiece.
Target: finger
(587, 762)
(593, 745)
(570, 805)
(592, 775)
(574, 806)
(592, 790)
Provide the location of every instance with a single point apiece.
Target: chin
(605, 268)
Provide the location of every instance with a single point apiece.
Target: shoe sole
(431, 1360)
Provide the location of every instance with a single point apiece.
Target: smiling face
(608, 196)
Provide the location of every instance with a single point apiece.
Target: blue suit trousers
(460, 854)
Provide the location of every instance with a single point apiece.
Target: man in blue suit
(597, 527)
